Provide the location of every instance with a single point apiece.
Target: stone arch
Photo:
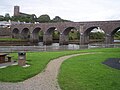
(87, 33)
(88, 30)
(64, 37)
(25, 34)
(112, 34)
(35, 34)
(48, 36)
(114, 31)
(68, 29)
(15, 33)
(50, 30)
(56, 36)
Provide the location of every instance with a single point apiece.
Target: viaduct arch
(31, 31)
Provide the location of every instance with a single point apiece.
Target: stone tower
(16, 10)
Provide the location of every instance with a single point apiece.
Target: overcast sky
(75, 10)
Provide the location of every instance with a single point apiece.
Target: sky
(74, 10)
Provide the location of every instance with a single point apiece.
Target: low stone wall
(5, 32)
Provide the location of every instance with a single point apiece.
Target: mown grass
(86, 72)
(10, 39)
(37, 60)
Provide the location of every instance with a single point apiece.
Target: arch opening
(56, 35)
(115, 34)
(94, 35)
(15, 33)
(40, 36)
(50, 30)
(53, 35)
(25, 34)
(72, 35)
(35, 34)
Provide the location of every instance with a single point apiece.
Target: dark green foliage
(74, 35)
(23, 18)
(1, 18)
(56, 35)
(44, 18)
(7, 17)
(32, 18)
(41, 35)
(97, 35)
(59, 19)
(10, 39)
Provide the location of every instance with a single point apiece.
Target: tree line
(32, 18)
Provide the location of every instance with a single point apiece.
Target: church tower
(16, 10)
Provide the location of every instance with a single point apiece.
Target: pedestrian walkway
(46, 80)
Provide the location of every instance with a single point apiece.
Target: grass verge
(10, 39)
(86, 72)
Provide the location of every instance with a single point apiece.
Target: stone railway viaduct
(31, 31)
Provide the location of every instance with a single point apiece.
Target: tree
(57, 19)
(23, 19)
(55, 35)
(96, 35)
(44, 18)
(1, 18)
(74, 35)
(7, 17)
(33, 18)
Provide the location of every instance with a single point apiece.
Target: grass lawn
(37, 60)
(86, 72)
(10, 39)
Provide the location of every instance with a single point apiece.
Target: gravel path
(46, 80)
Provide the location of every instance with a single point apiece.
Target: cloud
(75, 10)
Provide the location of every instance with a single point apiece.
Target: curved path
(46, 80)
